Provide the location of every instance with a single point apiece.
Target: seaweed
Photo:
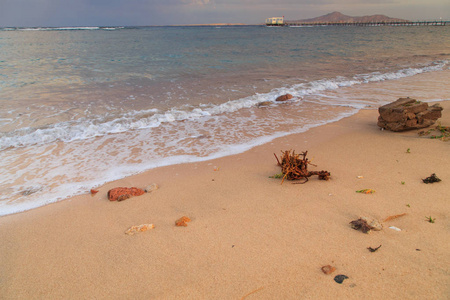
(361, 224)
(443, 133)
(373, 249)
(431, 179)
(430, 219)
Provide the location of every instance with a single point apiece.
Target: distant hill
(336, 17)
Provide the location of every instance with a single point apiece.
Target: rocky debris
(407, 113)
(150, 188)
(182, 221)
(284, 97)
(139, 228)
(431, 179)
(93, 192)
(121, 193)
(365, 226)
(340, 278)
(328, 269)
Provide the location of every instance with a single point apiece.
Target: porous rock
(122, 193)
(407, 113)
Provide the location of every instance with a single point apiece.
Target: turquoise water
(83, 106)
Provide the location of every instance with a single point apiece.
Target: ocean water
(83, 106)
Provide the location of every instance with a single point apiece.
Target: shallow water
(79, 108)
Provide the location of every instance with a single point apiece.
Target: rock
(150, 188)
(121, 193)
(328, 269)
(376, 225)
(407, 114)
(340, 278)
(182, 221)
(284, 97)
(93, 192)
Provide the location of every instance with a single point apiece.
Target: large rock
(407, 114)
(121, 193)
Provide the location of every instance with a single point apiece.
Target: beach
(250, 236)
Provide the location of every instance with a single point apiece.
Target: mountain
(336, 17)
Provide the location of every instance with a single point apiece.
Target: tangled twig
(295, 167)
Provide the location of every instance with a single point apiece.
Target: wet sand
(250, 237)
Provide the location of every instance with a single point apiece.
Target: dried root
(295, 167)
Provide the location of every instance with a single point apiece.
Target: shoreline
(249, 236)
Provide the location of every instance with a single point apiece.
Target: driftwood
(295, 167)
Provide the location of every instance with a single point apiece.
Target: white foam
(98, 175)
(102, 125)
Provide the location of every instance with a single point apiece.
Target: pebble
(150, 188)
(340, 278)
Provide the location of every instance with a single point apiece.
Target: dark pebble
(340, 278)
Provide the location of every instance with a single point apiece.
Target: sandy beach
(250, 237)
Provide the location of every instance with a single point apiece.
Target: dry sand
(250, 237)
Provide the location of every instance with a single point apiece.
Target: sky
(35, 13)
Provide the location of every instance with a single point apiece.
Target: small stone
(124, 193)
(376, 225)
(340, 278)
(182, 221)
(152, 187)
(264, 103)
(328, 269)
(284, 97)
(93, 192)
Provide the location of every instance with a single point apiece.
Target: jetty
(381, 23)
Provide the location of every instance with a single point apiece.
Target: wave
(103, 125)
(60, 28)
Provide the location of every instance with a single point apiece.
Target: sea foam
(100, 125)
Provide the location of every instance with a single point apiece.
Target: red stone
(284, 97)
(121, 193)
(328, 269)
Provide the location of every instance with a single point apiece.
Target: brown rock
(408, 113)
(284, 97)
(121, 193)
(328, 269)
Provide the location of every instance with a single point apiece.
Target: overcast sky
(30, 13)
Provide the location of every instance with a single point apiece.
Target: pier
(382, 23)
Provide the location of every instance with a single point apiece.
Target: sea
(82, 106)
